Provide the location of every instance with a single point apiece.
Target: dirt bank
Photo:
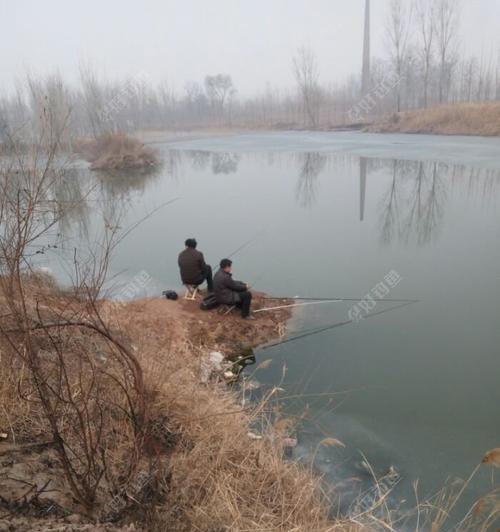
(221, 329)
(482, 119)
(207, 461)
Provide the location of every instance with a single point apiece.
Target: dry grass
(221, 479)
(460, 119)
(204, 471)
(207, 473)
(115, 151)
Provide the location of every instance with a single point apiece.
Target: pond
(343, 216)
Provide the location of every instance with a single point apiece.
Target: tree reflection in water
(425, 204)
(389, 218)
(225, 162)
(310, 166)
(199, 159)
(413, 205)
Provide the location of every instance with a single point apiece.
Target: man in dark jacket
(194, 270)
(230, 292)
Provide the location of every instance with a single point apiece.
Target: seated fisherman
(230, 292)
(194, 270)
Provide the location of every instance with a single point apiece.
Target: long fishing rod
(297, 305)
(143, 219)
(333, 326)
(247, 243)
(341, 299)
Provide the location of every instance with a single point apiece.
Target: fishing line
(318, 330)
(247, 243)
(143, 219)
(342, 299)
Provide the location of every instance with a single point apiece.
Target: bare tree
(398, 34)
(94, 100)
(219, 89)
(78, 395)
(306, 72)
(446, 21)
(425, 20)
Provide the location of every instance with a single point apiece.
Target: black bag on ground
(170, 294)
(209, 302)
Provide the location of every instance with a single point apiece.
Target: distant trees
(220, 90)
(425, 10)
(446, 31)
(398, 34)
(92, 99)
(423, 65)
(306, 72)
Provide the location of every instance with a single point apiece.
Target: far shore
(462, 119)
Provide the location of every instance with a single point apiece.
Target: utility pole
(365, 76)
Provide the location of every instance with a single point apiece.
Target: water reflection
(71, 192)
(425, 205)
(412, 206)
(410, 209)
(120, 184)
(311, 164)
(389, 208)
(199, 159)
(413, 203)
(363, 163)
(220, 162)
(225, 163)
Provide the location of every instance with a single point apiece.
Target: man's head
(226, 265)
(191, 243)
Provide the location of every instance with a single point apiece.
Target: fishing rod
(297, 305)
(143, 219)
(326, 299)
(336, 325)
(247, 243)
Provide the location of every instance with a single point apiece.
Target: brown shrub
(115, 151)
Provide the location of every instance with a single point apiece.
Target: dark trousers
(207, 276)
(244, 301)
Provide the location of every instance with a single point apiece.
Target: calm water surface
(417, 388)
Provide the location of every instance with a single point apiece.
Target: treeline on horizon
(425, 64)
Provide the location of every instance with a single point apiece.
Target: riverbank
(209, 462)
(480, 119)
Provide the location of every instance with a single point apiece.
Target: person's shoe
(249, 317)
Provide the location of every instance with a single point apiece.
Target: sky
(184, 40)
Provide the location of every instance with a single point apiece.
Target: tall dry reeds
(481, 118)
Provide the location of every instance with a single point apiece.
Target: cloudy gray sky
(182, 40)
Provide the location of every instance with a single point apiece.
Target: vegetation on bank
(104, 421)
(118, 428)
(115, 151)
(481, 119)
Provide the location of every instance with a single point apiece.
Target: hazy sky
(182, 40)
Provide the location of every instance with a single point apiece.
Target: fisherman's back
(191, 264)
